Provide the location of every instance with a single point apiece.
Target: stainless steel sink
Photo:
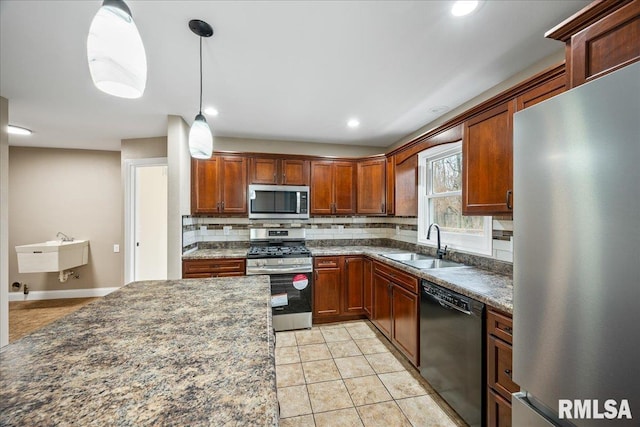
(407, 256)
(422, 262)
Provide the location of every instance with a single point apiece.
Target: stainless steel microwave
(278, 202)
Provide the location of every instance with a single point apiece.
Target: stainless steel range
(281, 253)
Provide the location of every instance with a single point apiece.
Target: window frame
(478, 244)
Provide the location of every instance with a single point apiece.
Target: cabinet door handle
(284, 177)
(218, 206)
(222, 205)
(382, 208)
(508, 329)
(274, 177)
(508, 372)
(316, 276)
(509, 196)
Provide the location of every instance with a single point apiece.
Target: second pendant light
(200, 138)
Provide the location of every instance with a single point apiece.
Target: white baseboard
(67, 293)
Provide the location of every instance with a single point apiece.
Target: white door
(150, 223)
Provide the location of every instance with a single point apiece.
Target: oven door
(291, 293)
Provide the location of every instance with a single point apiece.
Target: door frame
(130, 168)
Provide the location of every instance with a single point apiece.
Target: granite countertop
(184, 352)
(216, 253)
(490, 288)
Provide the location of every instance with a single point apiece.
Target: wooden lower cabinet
(382, 304)
(353, 285)
(367, 276)
(498, 411)
(338, 289)
(500, 384)
(396, 309)
(405, 321)
(206, 268)
(326, 299)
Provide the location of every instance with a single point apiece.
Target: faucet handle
(442, 252)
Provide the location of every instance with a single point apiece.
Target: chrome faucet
(64, 237)
(440, 252)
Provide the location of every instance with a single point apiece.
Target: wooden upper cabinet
(321, 188)
(295, 172)
(233, 188)
(344, 188)
(263, 171)
(541, 93)
(279, 171)
(372, 183)
(487, 155)
(391, 185)
(333, 187)
(601, 38)
(219, 185)
(204, 186)
(406, 187)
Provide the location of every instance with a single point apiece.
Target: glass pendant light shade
(117, 60)
(200, 139)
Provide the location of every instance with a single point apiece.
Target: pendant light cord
(200, 75)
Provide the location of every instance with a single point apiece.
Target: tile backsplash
(216, 232)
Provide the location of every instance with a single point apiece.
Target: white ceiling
(280, 70)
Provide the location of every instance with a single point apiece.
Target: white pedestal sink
(52, 256)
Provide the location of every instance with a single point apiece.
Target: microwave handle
(297, 202)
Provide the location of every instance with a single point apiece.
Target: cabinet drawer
(220, 266)
(499, 375)
(500, 325)
(499, 413)
(326, 262)
(401, 278)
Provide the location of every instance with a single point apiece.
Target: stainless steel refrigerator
(576, 314)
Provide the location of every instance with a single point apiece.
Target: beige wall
(77, 192)
(293, 147)
(179, 193)
(143, 148)
(4, 222)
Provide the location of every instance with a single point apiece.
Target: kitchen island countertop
(178, 352)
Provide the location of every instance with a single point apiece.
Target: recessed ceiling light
(464, 7)
(15, 130)
(353, 123)
(210, 111)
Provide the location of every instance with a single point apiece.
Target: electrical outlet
(340, 227)
(203, 228)
(226, 229)
(397, 229)
(116, 249)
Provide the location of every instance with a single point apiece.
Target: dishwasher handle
(445, 304)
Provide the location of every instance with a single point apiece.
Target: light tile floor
(348, 374)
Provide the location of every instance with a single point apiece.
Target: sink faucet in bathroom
(440, 252)
(64, 237)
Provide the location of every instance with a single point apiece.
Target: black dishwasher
(452, 349)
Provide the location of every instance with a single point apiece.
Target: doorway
(146, 224)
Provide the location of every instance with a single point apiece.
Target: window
(440, 201)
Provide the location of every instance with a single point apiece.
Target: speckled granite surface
(186, 352)
(216, 253)
(485, 286)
